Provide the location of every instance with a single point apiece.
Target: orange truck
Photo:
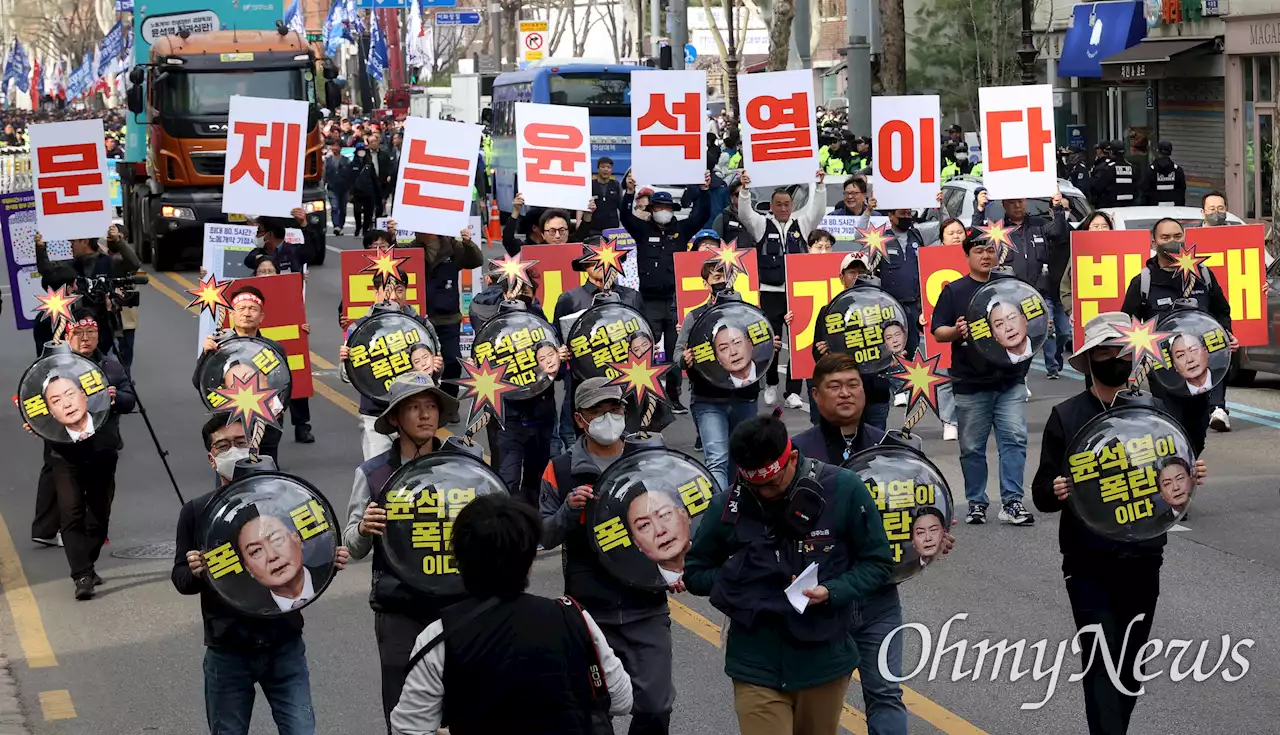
(181, 94)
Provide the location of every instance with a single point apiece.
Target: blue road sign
(380, 4)
(690, 53)
(462, 18)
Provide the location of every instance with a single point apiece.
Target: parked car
(1144, 218)
(959, 197)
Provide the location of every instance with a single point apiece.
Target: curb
(13, 721)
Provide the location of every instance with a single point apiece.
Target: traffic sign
(441, 4)
(690, 53)
(533, 36)
(380, 4)
(463, 18)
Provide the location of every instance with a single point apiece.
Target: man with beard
(1110, 583)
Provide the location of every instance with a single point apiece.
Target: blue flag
(111, 49)
(124, 6)
(18, 68)
(378, 56)
(333, 28)
(293, 18)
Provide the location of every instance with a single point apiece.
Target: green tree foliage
(961, 45)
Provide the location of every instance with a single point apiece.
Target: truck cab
(184, 94)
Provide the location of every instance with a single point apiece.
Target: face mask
(962, 156)
(1170, 248)
(226, 461)
(663, 217)
(718, 288)
(259, 241)
(905, 223)
(607, 429)
(1113, 372)
(360, 154)
(1215, 219)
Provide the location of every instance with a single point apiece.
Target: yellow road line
(57, 705)
(167, 291)
(22, 605)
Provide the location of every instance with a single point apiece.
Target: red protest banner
(283, 315)
(813, 279)
(1237, 258)
(1102, 265)
(556, 274)
(357, 287)
(692, 292)
(939, 265)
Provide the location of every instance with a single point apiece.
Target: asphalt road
(129, 661)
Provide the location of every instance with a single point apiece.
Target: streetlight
(1027, 52)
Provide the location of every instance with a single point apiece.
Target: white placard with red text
(437, 169)
(668, 143)
(905, 141)
(73, 196)
(553, 147)
(1018, 142)
(266, 144)
(779, 127)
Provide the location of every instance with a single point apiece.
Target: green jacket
(763, 654)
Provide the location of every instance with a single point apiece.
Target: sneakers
(677, 407)
(1028, 398)
(337, 230)
(302, 434)
(97, 581)
(949, 433)
(1014, 513)
(1053, 375)
(793, 401)
(84, 587)
(770, 395)
(900, 399)
(977, 514)
(56, 540)
(697, 444)
(1219, 420)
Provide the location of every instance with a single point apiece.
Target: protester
(987, 396)
(415, 409)
(1096, 222)
(606, 192)
(727, 224)
(855, 202)
(1213, 208)
(635, 622)
(1111, 584)
(241, 651)
(446, 258)
(775, 236)
(789, 670)
(366, 188)
(505, 661)
(88, 261)
(338, 175)
(899, 273)
(270, 241)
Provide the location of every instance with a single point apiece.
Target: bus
(604, 89)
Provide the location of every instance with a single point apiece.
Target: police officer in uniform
(959, 163)
(1165, 182)
(785, 512)
(1113, 183)
(1078, 173)
(728, 224)
(1158, 289)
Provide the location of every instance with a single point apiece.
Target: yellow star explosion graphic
(513, 269)
(249, 401)
(729, 258)
(385, 262)
(920, 376)
(57, 303)
(606, 255)
(1188, 264)
(486, 383)
(638, 375)
(210, 294)
(875, 242)
(1140, 339)
(997, 234)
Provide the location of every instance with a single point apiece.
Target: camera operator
(125, 262)
(84, 472)
(88, 261)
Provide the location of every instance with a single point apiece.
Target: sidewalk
(12, 719)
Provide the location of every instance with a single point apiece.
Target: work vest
(774, 247)
(735, 161)
(900, 271)
(442, 289)
(950, 170)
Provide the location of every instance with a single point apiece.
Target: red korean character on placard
(426, 167)
(1038, 136)
(766, 113)
(279, 151)
(546, 143)
(75, 166)
(690, 139)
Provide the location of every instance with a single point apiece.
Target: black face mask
(1112, 372)
(718, 288)
(905, 223)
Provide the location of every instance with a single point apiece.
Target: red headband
(771, 470)
(84, 323)
(245, 296)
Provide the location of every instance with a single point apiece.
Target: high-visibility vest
(735, 161)
(951, 169)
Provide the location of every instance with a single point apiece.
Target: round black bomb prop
(386, 345)
(1008, 321)
(868, 324)
(603, 334)
(422, 500)
(1131, 473)
(527, 345)
(914, 501)
(64, 397)
(1196, 355)
(646, 508)
(268, 542)
(732, 344)
(242, 358)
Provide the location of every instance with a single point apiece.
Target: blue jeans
(880, 613)
(338, 208)
(566, 434)
(229, 677)
(946, 400)
(715, 423)
(1059, 338)
(976, 414)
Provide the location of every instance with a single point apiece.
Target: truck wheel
(144, 249)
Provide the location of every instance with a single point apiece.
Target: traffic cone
(494, 232)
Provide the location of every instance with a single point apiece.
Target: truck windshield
(606, 94)
(209, 93)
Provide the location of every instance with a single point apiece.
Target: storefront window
(1247, 66)
(1250, 208)
(1265, 162)
(1264, 80)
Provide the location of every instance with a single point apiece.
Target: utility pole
(1027, 52)
(655, 26)
(495, 33)
(801, 30)
(679, 12)
(858, 66)
(731, 63)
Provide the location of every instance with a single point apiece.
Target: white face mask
(962, 156)
(259, 241)
(607, 429)
(662, 217)
(226, 461)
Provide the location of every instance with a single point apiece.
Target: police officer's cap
(1117, 146)
(1165, 147)
(955, 129)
